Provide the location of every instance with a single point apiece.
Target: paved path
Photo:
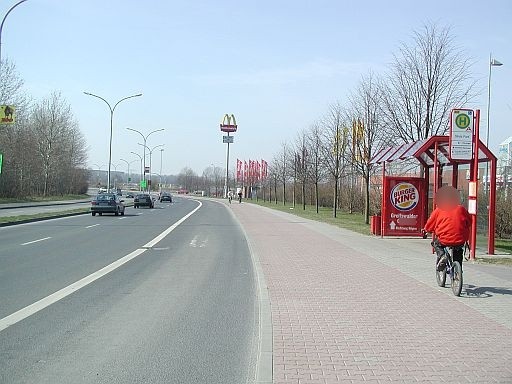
(352, 308)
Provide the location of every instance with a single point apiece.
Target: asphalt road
(182, 310)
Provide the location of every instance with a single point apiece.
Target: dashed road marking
(93, 225)
(36, 241)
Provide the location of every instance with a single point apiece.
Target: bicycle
(451, 268)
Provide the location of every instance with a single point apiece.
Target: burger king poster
(404, 204)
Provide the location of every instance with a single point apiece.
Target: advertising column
(403, 206)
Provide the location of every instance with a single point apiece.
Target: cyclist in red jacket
(451, 223)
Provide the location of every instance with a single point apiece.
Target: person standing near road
(230, 196)
(239, 193)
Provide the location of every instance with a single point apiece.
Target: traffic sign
(7, 114)
(129, 179)
(461, 134)
(143, 184)
(227, 139)
(1, 162)
(146, 169)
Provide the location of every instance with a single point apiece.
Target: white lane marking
(93, 225)
(36, 241)
(172, 227)
(122, 218)
(66, 291)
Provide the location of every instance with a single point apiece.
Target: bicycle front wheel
(456, 278)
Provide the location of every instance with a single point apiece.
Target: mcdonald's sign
(228, 123)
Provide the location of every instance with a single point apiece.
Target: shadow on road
(473, 291)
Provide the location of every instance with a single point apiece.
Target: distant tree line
(44, 152)
(329, 162)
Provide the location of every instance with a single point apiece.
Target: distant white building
(504, 174)
(505, 153)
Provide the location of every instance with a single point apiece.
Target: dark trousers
(458, 252)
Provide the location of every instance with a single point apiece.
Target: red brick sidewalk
(340, 315)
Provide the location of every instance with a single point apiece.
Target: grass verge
(7, 200)
(41, 216)
(495, 260)
(354, 222)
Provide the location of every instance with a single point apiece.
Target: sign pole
(226, 184)
(474, 190)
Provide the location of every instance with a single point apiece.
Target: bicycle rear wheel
(456, 276)
(441, 277)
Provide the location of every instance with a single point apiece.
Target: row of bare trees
(428, 76)
(44, 152)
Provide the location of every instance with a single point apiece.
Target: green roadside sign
(143, 184)
(1, 162)
(129, 179)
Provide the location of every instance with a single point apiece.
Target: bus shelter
(432, 155)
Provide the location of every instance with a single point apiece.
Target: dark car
(143, 200)
(107, 203)
(165, 196)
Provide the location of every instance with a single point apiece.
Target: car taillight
(111, 202)
(94, 203)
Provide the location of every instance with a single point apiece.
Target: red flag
(246, 172)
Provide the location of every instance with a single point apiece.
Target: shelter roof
(424, 151)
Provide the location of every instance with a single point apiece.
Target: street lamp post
(140, 157)
(145, 138)
(150, 150)
(128, 166)
(115, 175)
(99, 170)
(2, 25)
(161, 161)
(112, 109)
(492, 63)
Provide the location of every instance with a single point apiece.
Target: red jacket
(451, 226)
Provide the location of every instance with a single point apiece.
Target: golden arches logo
(228, 123)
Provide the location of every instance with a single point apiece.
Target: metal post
(474, 178)
(226, 184)
(492, 63)
(2, 25)
(161, 161)
(486, 184)
(144, 138)
(111, 128)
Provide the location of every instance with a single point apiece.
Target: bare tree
(51, 123)
(427, 79)
(315, 159)
(334, 149)
(302, 163)
(281, 169)
(367, 127)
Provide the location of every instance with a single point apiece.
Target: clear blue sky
(275, 64)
